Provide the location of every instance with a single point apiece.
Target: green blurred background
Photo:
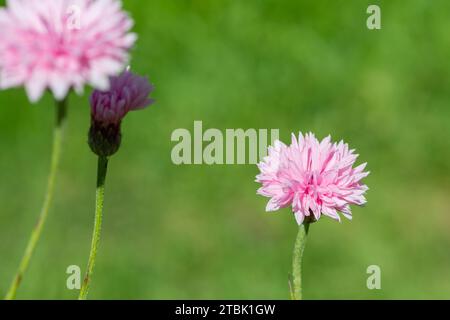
(201, 231)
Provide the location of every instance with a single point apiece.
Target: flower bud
(127, 92)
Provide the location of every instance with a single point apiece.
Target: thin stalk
(99, 198)
(58, 132)
(300, 242)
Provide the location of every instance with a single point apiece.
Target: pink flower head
(313, 177)
(62, 44)
(127, 92)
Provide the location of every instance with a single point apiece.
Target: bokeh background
(201, 231)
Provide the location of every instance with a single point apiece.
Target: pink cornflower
(127, 92)
(62, 44)
(312, 177)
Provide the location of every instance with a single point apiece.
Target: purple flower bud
(127, 92)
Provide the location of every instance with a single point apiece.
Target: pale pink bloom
(62, 44)
(312, 177)
(127, 92)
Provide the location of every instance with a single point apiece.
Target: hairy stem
(300, 242)
(100, 193)
(61, 112)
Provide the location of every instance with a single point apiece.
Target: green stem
(100, 193)
(300, 242)
(61, 112)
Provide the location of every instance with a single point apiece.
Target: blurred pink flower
(62, 44)
(127, 92)
(313, 177)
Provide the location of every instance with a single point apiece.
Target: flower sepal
(104, 141)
